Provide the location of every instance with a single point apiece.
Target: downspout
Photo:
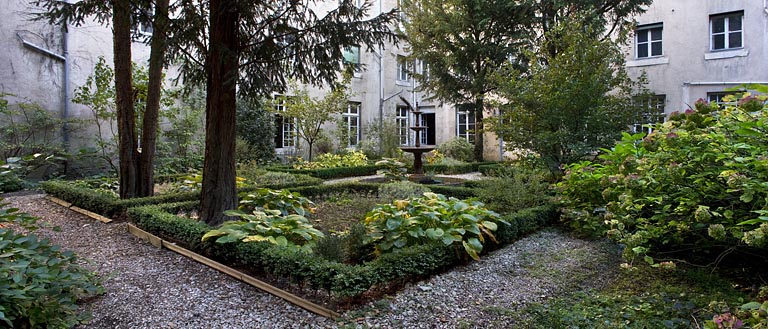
(67, 96)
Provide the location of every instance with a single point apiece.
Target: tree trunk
(126, 121)
(146, 181)
(478, 151)
(218, 191)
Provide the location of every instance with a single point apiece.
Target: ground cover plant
(645, 297)
(40, 284)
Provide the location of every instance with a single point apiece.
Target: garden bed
(331, 284)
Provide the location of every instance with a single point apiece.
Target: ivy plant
(432, 218)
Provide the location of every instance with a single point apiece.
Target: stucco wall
(688, 69)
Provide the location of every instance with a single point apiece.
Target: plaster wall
(688, 68)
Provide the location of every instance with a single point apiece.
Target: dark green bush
(330, 173)
(9, 182)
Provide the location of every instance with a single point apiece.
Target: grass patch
(641, 297)
(338, 214)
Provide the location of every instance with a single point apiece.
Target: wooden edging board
(79, 210)
(289, 297)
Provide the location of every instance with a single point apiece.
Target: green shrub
(9, 182)
(392, 169)
(522, 188)
(699, 181)
(401, 190)
(432, 218)
(39, 283)
(330, 160)
(458, 148)
(330, 173)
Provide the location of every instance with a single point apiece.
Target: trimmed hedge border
(111, 206)
(342, 172)
(329, 173)
(340, 279)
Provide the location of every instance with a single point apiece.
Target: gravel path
(151, 288)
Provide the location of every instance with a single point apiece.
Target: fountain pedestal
(417, 149)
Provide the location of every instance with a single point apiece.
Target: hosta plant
(429, 219)
(284, 201)
(266, 226)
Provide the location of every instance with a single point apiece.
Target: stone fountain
(417, 149)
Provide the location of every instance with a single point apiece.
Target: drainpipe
(67, 96)
(686, 86)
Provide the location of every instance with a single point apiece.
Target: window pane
(718, 41)
(656, 34)
(734, 23)
(656, 49)
(734, 40)
(352, 55)
(642, 50)
(642, 36)
(718, 25)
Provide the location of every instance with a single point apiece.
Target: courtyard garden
(662, 230)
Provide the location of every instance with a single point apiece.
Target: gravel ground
(151, 288)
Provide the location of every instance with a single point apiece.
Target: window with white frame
(465, 124)
(351, 118)
(352, 56)
(726, 31)
(141, 21)
(285, 134)
(403, 69)
(652, 111)
(719, 98)
(424, 70)
(648, 41)
(401, 120)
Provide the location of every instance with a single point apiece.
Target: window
(141, 21)
(285, 134)
(351, 119)
(648, 41)
(465, 123)
(726, 31)
(719, 98)
(352, 56)
(401, 120)
(424, 71)
(652, 111)
(403, 69)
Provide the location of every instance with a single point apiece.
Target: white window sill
(403, 83)
(726, 54)
(648, 61)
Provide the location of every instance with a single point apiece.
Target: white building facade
(699, 49)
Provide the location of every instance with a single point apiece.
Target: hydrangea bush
(699, 180)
